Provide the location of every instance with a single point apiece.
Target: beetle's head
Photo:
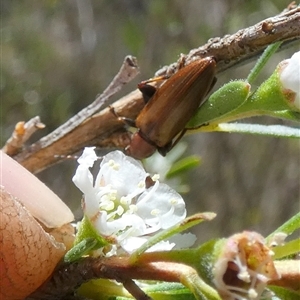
(139, 148)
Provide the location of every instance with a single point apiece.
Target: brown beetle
(169, 108)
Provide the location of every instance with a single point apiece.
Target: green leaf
(288, 227)
(257, 129)
(289, 248)
(104, 289)
(269, 97)
(169, 291)
(287, 114)
(86, 230)
(200, 289)
(183, 165)
(207, 254)
(80, 249)
(261, 62)
(101, 289)
(283, 294)
(222, 102)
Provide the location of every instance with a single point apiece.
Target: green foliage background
(56, 56)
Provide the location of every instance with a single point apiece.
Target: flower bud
(243, 267)
(222, 103)
(280, 91)
(290, 78)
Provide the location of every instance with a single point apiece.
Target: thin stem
(135, 290)
(289, 271)
(200, 289)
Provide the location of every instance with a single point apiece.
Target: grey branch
(23, 131)
(104, 130)
(247, 43)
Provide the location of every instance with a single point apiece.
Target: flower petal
(125, 174)
(83, 178)
(164, 206)
(290, 76)
(88, 157)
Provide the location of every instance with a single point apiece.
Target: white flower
(119, 205)
(290, 76)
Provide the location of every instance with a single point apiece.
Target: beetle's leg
(154, 79)
(149, 90)
(164, 150)
(181, 62)
(212, 85)
(125, 120)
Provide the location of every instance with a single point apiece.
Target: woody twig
(106, 131)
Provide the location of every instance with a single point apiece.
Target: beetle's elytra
(170, 107)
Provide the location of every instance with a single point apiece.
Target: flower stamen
(155, 177)
(114, 165)
(155, 212)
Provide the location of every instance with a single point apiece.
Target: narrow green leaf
(257, 129)
(86, 230)
(261, 62)
(82, 248)
(183, 165)
(283, 294)
(200, 289)
(287, 114)
(290, 248)
(288, 227)
(222, 102)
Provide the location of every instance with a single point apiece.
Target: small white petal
(83, 179)
(162, 246)
(126, 178)
(278, 239)
(91, 206)
(184, 240)
(290, 76)
(165, 200)
(88, 157)
(106, 227)
(132, 243)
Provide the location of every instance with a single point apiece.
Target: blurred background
(57, 56)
